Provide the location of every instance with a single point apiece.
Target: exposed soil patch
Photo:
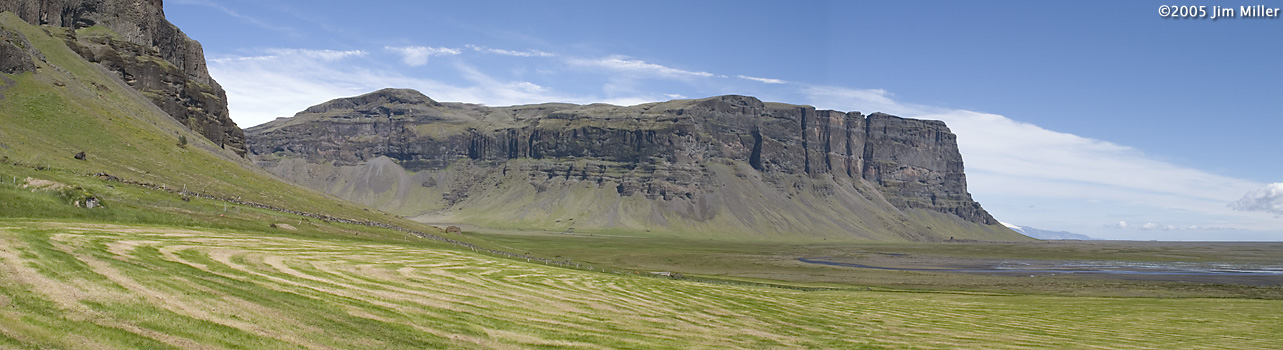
(41, 184)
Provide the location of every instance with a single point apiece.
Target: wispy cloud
(762, 80)
(290, 31)
(272, 54)
(280, 82)
(625, 64)
(324, 55)
(865, 100)
(1064, 165)
(1156, 226)
(527, 53)
(1153, 226)
(415, 56)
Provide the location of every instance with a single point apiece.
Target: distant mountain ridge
(1046, 234)
(726, 163)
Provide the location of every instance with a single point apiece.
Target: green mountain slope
(746, 207)
(69, 105)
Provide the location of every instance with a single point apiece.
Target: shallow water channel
(1207, 272)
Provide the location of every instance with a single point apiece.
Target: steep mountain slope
(727, 166)
(133, 41)
(55, 104)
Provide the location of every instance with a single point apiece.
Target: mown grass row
(81, 285)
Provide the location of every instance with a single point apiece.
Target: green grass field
(90, 285)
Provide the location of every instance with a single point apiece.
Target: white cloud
(624, 64)
(864, 100)
(762, 80)
(1168, 227)
(1064, 164)
(1121, 224)
(285, 81)
(415, 56)
(528, 53)
(273, 54)
(282, 82)
(1267, 199)
(228, 59)
(1013, 227)
(528, 86)
(325, 55)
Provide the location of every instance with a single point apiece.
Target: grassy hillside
(83, 285)
(70, 105)
(745, 207)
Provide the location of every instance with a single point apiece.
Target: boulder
(16, 53)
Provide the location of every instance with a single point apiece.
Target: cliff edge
(133, 39)
(730, 163)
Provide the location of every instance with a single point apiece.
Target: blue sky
(1100, 118)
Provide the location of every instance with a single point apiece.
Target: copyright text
(1217, 12)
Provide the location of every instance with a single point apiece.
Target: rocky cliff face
(16, 53)
(133, 39)
(677, 153)
(917, 165)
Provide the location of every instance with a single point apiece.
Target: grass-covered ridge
(70, 105)
(72, 285)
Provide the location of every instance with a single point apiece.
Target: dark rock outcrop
(148, 52)
(16, 53)
(659, 150)
(14, 59)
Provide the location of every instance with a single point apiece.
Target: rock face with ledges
(918, 165)
(668, 152)
(133, 39)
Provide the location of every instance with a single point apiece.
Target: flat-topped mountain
(729, 166)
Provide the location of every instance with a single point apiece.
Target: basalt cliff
(132, 39)
(727, 166)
